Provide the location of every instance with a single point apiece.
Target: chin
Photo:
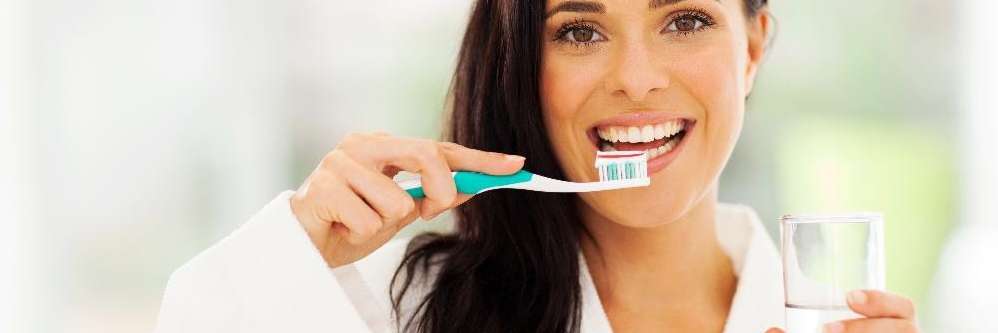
(659, 204)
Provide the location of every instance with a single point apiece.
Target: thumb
(463, 158)
(774, 330)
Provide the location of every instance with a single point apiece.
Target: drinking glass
(825, 257)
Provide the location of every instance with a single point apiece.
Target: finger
(351, 211)
(872, 325)
(413, 215)
(379, 150)
(424, 157)
(462, 158)
(874, 303)
(384, 195)
(460, 199)
(414, 155)
(774, 330)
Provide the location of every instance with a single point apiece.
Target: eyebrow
(596, 7)
(579, 7)
(654, 4)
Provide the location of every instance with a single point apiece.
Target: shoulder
(736, 213)
(758, 299)
(736, 225)
(739, 223)
(740, 231)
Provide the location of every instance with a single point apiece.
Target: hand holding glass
(825, 257)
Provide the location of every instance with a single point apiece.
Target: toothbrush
(617, 170)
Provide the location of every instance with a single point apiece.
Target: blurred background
(134, 134)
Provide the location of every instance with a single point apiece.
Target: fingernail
(515, 158)
(835, 327)
(857, 297)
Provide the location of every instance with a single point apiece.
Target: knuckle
(362, 231)
(324, 183)
(404, 208)
(371, 227)
(441, 198)
(428, 151)
(332, 159)
(451, 194)
(352, 138)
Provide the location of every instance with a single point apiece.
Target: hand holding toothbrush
(350, 206)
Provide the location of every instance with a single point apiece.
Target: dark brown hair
(512, 264)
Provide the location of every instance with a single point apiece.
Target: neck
(676, 271)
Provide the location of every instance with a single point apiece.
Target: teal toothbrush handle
(470, 182)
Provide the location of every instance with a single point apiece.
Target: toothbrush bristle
(621, 165)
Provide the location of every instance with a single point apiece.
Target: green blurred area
(853, 111)
(843, 165)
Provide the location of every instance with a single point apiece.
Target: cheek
(712, 79)
(566, 84)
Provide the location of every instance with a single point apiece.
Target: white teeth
(633, 135)
(674, 127)
(647, 133)
(667, 147)
(636, 134)
(659, 131)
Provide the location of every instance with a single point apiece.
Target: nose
(635, 75)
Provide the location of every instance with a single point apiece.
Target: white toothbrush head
(621, 165)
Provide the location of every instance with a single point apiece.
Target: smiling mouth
(655, 139)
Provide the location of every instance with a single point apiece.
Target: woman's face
(668, 77)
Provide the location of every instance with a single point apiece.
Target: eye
(580, 33)
(686, 24)
(689, 22)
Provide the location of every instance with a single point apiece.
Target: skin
(349, 205)
(636, 61)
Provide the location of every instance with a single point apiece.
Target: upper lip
(638, 119)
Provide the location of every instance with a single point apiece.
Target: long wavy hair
(512, 263)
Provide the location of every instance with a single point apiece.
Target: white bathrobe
(268, 277)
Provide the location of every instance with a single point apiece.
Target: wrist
(308, 221)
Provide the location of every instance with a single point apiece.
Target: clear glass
(825, 257)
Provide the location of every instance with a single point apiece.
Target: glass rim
(857, 217)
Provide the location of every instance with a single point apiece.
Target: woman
(548, 84)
